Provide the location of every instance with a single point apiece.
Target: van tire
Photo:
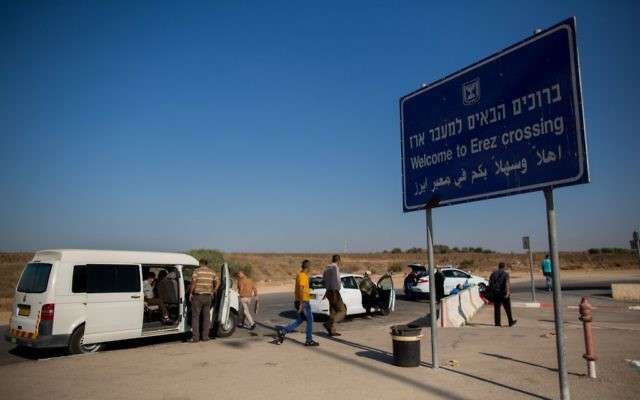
(76, 346)
(230, 328)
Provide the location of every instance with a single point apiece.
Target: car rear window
(316, 283)
(35, 278)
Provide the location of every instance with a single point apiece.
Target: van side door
(115, 303)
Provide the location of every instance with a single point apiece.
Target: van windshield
(34, 278)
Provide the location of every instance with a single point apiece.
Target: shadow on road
(506, 358)
(385, 357)
(38, 354)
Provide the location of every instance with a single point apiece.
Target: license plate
(24, 311)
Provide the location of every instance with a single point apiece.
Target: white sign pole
(557, 295)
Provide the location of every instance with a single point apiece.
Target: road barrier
(458, 309)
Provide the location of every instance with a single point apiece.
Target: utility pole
(526, 244)
(635, 245)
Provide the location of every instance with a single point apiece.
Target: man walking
(337, 309)
(247, 292)
(203, 285)
(302, 306)
(439, 280)
(546, 271)
(500, 286)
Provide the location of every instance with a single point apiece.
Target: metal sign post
(526, 244)
(432, 292)
(510, 123)
(557, 295)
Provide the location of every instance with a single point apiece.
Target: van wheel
(226, 330)
(77, 347)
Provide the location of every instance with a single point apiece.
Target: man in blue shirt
(546, 271)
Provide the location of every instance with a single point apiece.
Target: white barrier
(476, 300)
(450, 312)
(458, 309)
(467, 310)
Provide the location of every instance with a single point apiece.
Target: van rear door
(30, 296)
(115, 304)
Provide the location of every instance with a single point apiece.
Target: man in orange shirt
(303, 307)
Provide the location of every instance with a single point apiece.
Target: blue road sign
(510, 123)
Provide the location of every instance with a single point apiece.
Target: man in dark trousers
(439, 279)
(337, 309)
(500, 286)
(203, 286)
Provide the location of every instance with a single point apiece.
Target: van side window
(113, 278)
(79, 283)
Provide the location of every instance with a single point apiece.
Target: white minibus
(81, 299)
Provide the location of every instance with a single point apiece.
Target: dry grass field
(278, 268)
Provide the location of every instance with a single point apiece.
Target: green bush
(213, 257)
(593, 251)
(235, 267)
(396, 250)
(414, 250)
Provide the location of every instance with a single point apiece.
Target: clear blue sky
(274, 126)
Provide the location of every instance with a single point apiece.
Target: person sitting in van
(149, 299)
(167, 288)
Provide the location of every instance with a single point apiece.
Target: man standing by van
(203, 285)
(337, 309)
(247, 292)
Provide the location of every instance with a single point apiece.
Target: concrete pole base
(591, 368)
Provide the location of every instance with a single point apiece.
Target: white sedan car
(351, 295)
(452, 277)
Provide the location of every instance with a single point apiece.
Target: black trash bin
(406, 345)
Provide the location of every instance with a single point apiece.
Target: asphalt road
(277, 309)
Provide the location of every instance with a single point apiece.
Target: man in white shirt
(147, 288)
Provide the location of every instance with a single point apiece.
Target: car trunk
(29, 299)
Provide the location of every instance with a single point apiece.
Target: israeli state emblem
(471, 92)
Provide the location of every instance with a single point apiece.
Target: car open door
(386, 294)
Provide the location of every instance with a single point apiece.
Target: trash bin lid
(405, 330)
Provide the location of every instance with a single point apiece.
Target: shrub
(593, 251)
(466, 264)
(440, 249)
(235, 267)
(414, 250)
(213, 257)
(396, 250)
(396, 267)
